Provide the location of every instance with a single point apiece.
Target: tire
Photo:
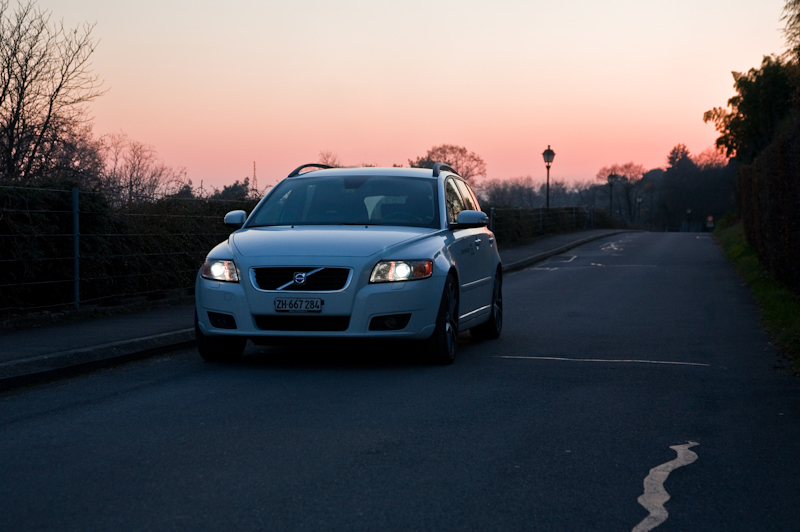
(491, 329)
(218, 348)
(442, 346)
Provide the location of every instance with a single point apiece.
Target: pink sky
(214, 86)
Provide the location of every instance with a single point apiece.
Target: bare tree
(710, 158)
(329, 158)
(133, 172)
(588, 193)
(560, 194)
(468, 165)
(627, 178)
(46, 82)
(510, 193)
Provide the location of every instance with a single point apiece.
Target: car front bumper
(360, 302)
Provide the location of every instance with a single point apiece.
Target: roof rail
(296, 171)
(438, 167)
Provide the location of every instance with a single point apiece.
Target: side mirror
(235, 219)
(470, 220)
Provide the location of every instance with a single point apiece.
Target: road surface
(635, 353)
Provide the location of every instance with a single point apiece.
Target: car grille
(302, 323)
(317, 280)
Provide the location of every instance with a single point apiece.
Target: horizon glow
(214, 87)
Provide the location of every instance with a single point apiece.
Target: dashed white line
(655, 495)
(618, 361)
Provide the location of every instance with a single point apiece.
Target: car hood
(317, 241)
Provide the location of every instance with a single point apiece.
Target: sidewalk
(31, 355)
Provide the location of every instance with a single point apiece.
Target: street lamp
(611, 179)
(638, 209)
(548, 155)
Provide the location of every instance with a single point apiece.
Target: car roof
(426, 173)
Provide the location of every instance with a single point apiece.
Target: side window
(469, 202)
(453, 200)
(474, 197)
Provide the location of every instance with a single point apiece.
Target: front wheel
(491, 329)
(442, 346)
(218, 348)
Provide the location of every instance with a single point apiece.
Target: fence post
(76, 274)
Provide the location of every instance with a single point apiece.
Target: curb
(56, 365)
(38, 320)
(533, 259)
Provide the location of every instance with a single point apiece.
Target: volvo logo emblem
(299, 278)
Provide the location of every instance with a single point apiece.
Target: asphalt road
(611, 354)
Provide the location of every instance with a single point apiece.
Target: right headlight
(220, 270)
(387, 271)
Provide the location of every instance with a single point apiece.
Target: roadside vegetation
(780, 306)
(760, 130)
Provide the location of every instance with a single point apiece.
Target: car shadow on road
(341, 354)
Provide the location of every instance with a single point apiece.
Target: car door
(463, 251)
(484, 250)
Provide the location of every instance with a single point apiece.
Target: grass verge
(780, 307)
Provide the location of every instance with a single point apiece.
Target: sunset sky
(214, 86)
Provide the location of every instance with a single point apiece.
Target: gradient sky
(214, 86)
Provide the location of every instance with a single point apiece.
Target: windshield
(351, 200)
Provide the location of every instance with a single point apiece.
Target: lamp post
(638, 209)
(611, 179)
(548, 155)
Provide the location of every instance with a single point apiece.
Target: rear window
(351, 200)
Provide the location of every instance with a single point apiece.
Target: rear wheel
(491, 329)
(218, 348)
(442, 346)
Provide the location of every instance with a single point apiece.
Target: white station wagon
(381, 253)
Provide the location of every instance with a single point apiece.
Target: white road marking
(622, 361)
(544, 267)
(611, 246)
(655, 495)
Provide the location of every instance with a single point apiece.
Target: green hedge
(769, 198)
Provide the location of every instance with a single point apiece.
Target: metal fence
(512, 225)
(69, 248)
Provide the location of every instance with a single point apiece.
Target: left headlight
(220, 270)
(387, 271)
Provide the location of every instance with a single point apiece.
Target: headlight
(387, 271)
(220, 270)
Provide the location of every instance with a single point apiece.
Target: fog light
(392, 322)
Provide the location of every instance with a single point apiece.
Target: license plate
(298, 305)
